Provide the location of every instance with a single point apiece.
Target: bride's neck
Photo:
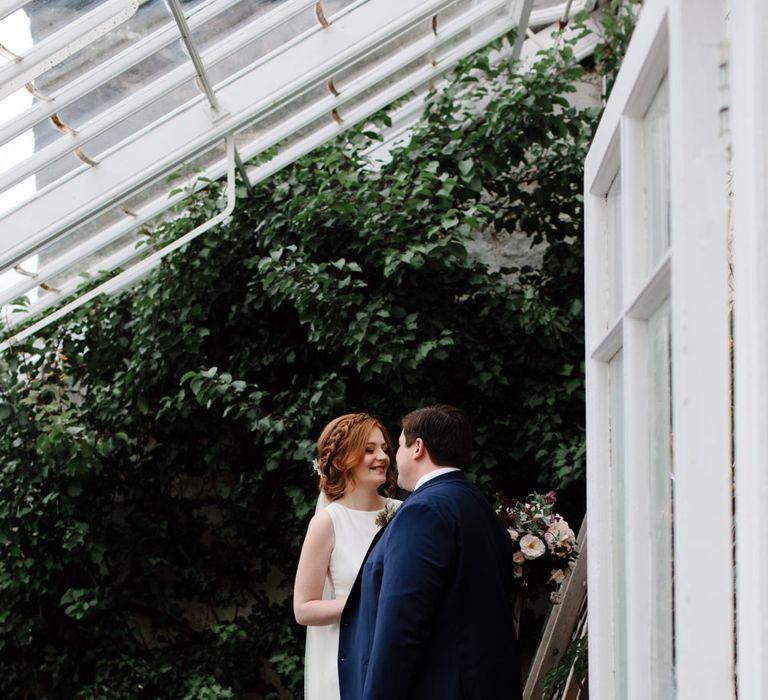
(363, 499)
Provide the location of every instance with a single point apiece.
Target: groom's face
(406, 466)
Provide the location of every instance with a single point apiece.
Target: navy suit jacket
(429, 615)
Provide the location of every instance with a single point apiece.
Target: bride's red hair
(341, 446)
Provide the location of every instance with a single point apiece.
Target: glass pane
(615, 247)
(47, 17)
(62, 262)
(14, 31)
(263, 47)
(546, 4)
(656, 176)
(451, 12)
(373, 60)
(661, 476)
(618, 520)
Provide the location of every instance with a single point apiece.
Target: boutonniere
(384, 516)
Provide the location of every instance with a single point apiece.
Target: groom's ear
(420, 449)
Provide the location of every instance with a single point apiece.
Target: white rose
(531, 546)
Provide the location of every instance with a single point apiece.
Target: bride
(356, 478)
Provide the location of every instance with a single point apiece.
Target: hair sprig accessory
(316, 468)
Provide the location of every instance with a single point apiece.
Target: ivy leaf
(466, 167)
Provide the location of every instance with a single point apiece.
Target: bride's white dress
(353, 530)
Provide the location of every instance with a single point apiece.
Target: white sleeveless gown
(353, 530)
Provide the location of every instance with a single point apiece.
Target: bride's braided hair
(341, 446)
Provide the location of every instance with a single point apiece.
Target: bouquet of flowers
(544, 544)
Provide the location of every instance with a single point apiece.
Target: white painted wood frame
(749, 129)
(701, 354)
(684, 40)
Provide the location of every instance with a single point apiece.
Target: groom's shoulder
(426, 502)
(440, 494)
(454, 485)
(464, 494)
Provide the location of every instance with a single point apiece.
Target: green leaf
(448, 221)
(466, 166)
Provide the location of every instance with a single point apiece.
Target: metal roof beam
(194, 54)
(379, 101)
(150, 93)
(147, 213)
(185, 133)
(556, 13)
(114, 66)
(358, 87)
(143, 267)
(163, 37)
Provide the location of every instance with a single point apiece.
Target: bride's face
(373, 467)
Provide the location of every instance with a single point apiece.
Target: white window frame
(683, 39)
(749, 129)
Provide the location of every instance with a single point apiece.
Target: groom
(429, 617)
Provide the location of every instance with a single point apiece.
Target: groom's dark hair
(445, 431)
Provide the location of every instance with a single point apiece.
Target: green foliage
(576, 657)
(155, 477)
(616, 24)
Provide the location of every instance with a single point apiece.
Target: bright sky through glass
(15, 35)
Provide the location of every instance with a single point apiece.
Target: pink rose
(560, 535)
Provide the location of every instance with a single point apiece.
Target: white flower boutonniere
(384, 516)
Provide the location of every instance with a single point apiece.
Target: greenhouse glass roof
(101, 101)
